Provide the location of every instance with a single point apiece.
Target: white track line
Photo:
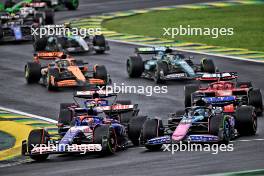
(191, 51)
(28, 114)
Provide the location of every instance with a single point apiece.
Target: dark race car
(14, 28)
(13, 6)
(70, 43)
(96, 126)
(37, 12)
(166, 65)
(200, 124)
(64, 71)
(243, 92)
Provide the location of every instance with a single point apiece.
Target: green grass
(246, 20)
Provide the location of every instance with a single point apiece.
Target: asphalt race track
(248, 152)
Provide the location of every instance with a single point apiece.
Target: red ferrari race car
(64, 71)
(243, 91)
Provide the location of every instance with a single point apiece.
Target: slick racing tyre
(99, 40)
(49, 19)
(134, 129)
(37, 137)
(100, 72)
(53, 73)
(255, 99)
(246, 120)
(40, 44)
(65, 117)
(71, 4)
(135, 66)
(220, 126)
(126, 116)
(106, 136)
(207, 65)
(160, 67)
(32, 72)
(188, 90)
(1, 33)
(152, 128)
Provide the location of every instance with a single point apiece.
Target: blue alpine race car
(206, 123)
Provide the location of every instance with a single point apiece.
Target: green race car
(13, 6)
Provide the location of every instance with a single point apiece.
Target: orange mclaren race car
(63, 71)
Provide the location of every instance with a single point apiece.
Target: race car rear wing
(45, 55)
(221, 76)
(94, 94)
(152, 50)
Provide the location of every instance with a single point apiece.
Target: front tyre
(135, 66)
(32, 72)
(152, 128)
(106, 136)
(37, 137)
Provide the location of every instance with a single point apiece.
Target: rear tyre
(32, 72)
(246, 120)
(71, 4)
(37, 136)
(49, 17)
(52, 72)
(100, 73)
(1, 32)
(135, 66)
(134, 129)
(106, 136)
(99, 40)
(40, 44)
(126, 116)
(65, 117)
(207, 65)
(152, 128)
(188, 90)
(255, 99)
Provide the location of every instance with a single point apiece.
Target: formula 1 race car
(64, 71)
(165, 65)
(13, 6)
(96, 127)
(14, 28)
(243, 91)
(202, 124)
(71, 43)
(37, 12)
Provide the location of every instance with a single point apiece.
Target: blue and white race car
(166, 65)
(98, 127)
(14, 28)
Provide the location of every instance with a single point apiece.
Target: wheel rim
(226, 131)
(112, 142)
(254, 122)
(27, 72)
(128, 67)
